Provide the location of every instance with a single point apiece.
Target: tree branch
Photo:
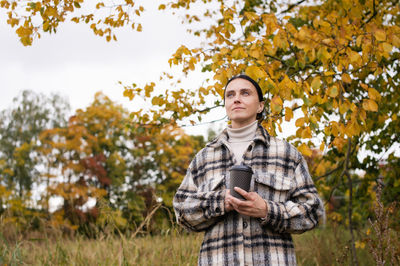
(208, 109)
(276, 58)
(335, 169)
(329, 173)
(350, 209)
(290, 7)
(372, 16)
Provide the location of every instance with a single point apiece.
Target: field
(327, 246)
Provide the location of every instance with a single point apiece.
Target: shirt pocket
(213, 184)
(272, 186)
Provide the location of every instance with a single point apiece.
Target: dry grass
(319, 247)
(173, 249)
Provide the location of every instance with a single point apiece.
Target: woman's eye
(245, 93)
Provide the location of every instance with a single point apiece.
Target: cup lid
(241, 167)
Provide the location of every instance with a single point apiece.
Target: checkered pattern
(280, 177)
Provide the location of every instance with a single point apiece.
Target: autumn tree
(106, 157)
(20, 164)
(94, 154)
(20, 126)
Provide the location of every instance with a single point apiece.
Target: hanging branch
(290, 7)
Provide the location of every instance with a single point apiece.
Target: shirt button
(217, 210)
(245, 225)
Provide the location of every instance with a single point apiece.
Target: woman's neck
(241, 124)
(244, 133)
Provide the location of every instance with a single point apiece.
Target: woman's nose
(237, 98)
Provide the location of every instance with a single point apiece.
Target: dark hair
(255, 84)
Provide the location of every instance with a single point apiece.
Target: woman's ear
(260, 107)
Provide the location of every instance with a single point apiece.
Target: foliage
(20, 126)
(116, 164)
(33, 18)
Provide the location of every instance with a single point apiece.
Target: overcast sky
(77, 64)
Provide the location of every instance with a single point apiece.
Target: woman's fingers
(242, 192)
(253, 206)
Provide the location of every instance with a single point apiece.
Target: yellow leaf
(380, 35)
(333, 91)
(387, 47)
(359, 40)
(46, 25)
(370, 105)
(335, 128)
(276, 104)
(255, 72)
(51, 11)
(306, 133)
(224, 51)
(300, 122)
(314, 119)
(346, 78)
(305, 150)
(374, 94)
(161, 7)
(354, 57)
(157, 101)
(339, 142)
(351, 129)
(255, 52)
(373, 106)
(239, 53)
(128, 93)
(251, 15)
(396, 41)
(316, 83)
(250, 38)
(344, 107)
(148, 89)
(364, 86)
(330, 73)
(288, 114)
(360, 244)
(322, 146)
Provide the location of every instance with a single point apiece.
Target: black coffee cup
(240, 176)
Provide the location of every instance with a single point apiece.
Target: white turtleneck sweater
(240, 139)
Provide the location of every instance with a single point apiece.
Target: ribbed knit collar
(261, 135)
(242, 134)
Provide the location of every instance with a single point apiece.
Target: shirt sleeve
(197, 210)
(303, 211)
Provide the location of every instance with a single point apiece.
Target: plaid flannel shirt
(280, 177)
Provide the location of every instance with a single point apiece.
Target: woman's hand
(253, 206)
(228, 206)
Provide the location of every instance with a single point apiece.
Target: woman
(283, 198)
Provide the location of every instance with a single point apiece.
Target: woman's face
(242, 103)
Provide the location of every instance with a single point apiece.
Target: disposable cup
(240, 176)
